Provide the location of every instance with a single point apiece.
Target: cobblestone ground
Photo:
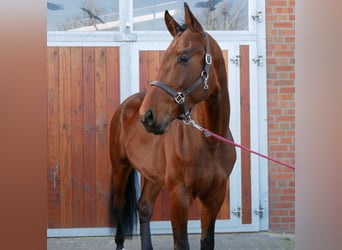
(244, 241)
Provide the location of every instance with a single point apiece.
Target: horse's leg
(180, 201)
(121, 176)
(145, 208)
(211, 204)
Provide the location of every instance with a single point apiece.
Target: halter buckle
(208, 59)
(179, 98)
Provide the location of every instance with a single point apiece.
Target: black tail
(130, 216)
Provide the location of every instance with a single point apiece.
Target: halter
(179, 97)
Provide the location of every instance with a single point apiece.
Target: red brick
(286, 197)
(275, 111)
(287, 118)
(283, 10)
(279, 213)
(288, 191)
(280, 25)
(277, 3)
(284, 53)
(283, 97)
(289, 39)
(285, 155)
(287, 89)
(287, 219)
(286, 140)
(284, 68)
(281, 176)
(283, 205)
(284, 32)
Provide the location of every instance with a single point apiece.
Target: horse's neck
(218, 105)
(215, 111)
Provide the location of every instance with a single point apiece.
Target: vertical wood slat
(113, 101)
(53, 139)
(245, 135)
(89, 146)
(102, 195)
(113, 78)
(77, 112)
(144, 69)
(65, 136)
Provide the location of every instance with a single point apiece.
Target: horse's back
(125, 119)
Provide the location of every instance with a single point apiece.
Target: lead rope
(189, 121)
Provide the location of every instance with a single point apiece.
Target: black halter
(179, 97)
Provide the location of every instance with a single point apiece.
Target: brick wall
(280, 32)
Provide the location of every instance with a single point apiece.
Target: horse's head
(182, 78)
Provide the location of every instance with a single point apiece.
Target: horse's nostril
(149, 119)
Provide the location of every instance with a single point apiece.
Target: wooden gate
(83, 92)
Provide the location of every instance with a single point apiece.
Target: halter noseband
(179, 97)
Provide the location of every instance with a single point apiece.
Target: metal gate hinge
(236, 60)
(259, 60)
(260, 211)
(237, 211)
(258, 16)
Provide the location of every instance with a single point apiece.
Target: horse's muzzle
(150, 124)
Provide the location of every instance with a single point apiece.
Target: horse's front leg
(211, 204)
(145, 208)
(180, 201)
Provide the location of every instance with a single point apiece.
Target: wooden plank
(89, 145)
(113, 80)
(245, 135)
(101, 135)
(113, 101)
(143, 69)
(77, 111)
(53, 139)
(153, 65)
(65, 137)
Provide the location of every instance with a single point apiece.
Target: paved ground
(244, 241)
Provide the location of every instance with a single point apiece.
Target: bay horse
(147, 134)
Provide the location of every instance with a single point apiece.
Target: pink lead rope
(207, 133)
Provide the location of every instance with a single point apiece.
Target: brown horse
(147, 134)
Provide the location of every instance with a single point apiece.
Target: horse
(148, 135)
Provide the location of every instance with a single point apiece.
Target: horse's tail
(129, 216)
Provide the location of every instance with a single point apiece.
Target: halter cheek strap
(179, 97)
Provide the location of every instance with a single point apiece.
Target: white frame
(130, 43)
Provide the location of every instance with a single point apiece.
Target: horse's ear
(171, 24)
(191, 22)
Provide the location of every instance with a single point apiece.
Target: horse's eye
(183, 58)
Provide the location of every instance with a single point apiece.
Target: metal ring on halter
(208, 59)
(179, 98)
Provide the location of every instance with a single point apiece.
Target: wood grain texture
(245, 135)
(83, 93)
